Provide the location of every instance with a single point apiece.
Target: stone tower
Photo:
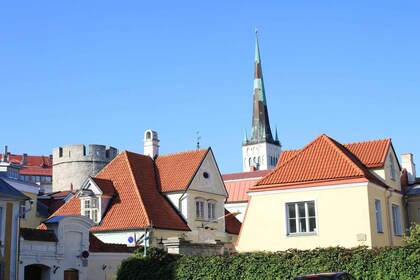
(72, 164)
(261, 151)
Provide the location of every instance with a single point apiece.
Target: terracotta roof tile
(96, 245)
(371, 153)
(38, 235)
(245, 175)
(106, 186)
(36, 165)
(176, 170)
(324, 159)
(137, 203)
(232, 224)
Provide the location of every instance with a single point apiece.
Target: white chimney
(408, 164)
(151, 143)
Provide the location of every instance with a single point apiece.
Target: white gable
(208, 178)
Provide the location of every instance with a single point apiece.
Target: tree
(413, 235)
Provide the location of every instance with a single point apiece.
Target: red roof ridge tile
(346, 155)
(184, 152)
(368, 141)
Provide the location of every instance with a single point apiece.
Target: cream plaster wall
(343, 212)
(414, 209)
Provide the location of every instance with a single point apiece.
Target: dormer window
(90, 208)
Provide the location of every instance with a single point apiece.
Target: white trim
(305, 189)
(380, 214)
(286, 218)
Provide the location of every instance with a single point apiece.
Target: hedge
(363, 263)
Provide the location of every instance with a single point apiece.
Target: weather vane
(198, 140)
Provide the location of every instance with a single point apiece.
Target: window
(23, 209)
(396, 219)
(301, 217)
(211, 210)
(392, 167)
(90, 208)
(378, 211)
(199, 209)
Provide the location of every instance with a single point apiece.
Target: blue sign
(130, 239)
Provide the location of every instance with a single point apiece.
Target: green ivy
(363, 263)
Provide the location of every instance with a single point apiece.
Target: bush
(363, 263)
(413, 235)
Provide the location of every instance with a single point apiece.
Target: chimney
(151, 143)
(5, 155)
(24, 159)
(408, 164)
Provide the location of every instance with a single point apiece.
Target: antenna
(198, 140)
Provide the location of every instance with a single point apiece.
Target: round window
(206, 175)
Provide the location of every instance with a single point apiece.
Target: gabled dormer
(95, 195)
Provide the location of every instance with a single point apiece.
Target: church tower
(261, 151)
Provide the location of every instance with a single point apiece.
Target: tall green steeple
(261, 131)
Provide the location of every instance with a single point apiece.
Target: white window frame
(211, 210)
(396, 219)
(200, 208)
(300, 231)
(378, 214)
(89, 209)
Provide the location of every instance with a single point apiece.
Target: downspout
(31, 202)
(390, 190)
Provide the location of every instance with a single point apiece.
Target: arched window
(148, 135)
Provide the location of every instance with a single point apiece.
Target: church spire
(261, 131)
(261, 151)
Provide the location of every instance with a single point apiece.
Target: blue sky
(80, 72)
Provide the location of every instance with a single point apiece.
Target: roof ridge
(367, 141)
(338, 147)
(299, 151)
(133, 178)
(184, 152)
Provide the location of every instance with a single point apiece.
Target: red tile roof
(96, 245)
(232, 224)
(177, 170)
(323, 160)
(238, 184)
(36, 165)
(245, 175)
(38, 234)
(371, 153)
(138, 202)
(106, 186)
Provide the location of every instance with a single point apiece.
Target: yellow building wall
(414, 209)
(31, 220)
(345, 215)
(387, 237)
(342, 214)
(8, 240)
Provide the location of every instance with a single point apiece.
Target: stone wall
(73, 164)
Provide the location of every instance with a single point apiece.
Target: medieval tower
(72, 164)
(261, 151)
